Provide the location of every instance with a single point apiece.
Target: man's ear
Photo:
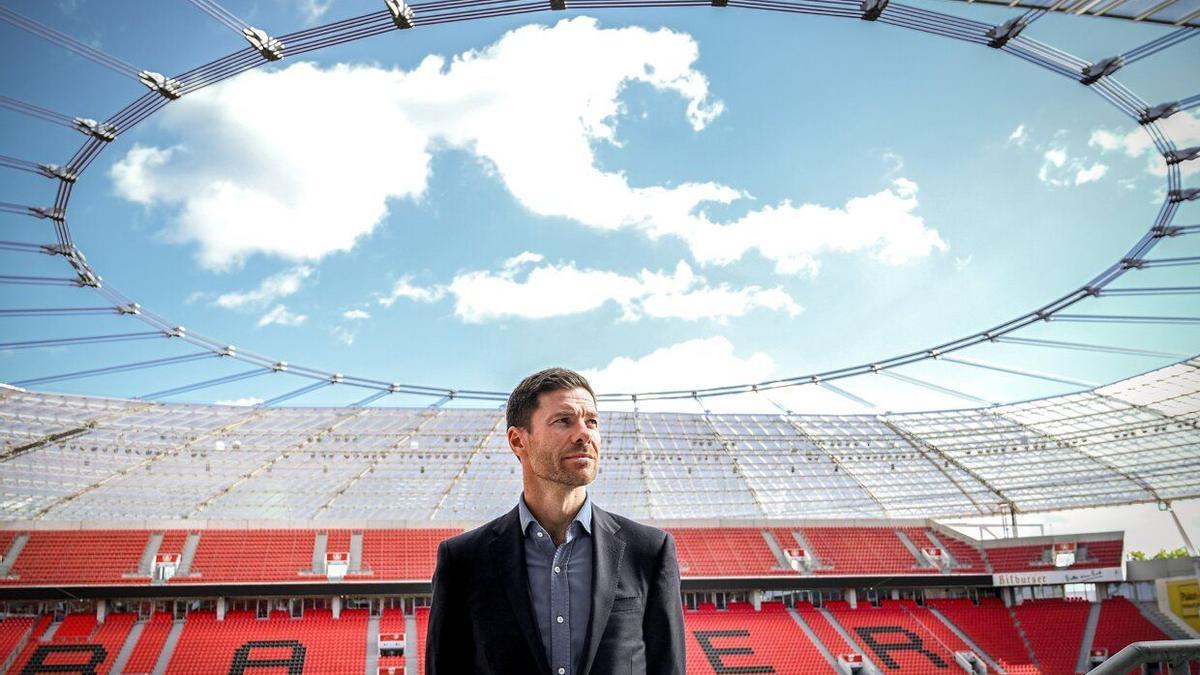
(516, 441)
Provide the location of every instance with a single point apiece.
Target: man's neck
(554, 507)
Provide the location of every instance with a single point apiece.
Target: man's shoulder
(476, 539)
(639, 533)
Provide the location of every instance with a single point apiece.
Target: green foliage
(1163, 554)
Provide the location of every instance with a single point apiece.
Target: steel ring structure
(864, 450)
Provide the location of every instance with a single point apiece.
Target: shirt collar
(584, 517)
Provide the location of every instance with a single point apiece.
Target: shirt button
(560, 619)
(561, 671)
(540, 534)
(557, 569)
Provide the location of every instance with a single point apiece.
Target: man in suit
(557, 586)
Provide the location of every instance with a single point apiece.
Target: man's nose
(582, 434)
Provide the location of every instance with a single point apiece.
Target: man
(556, 586)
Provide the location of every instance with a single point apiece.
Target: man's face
(562, 444)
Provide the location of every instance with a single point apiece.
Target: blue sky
(665, 199)
(626, 193)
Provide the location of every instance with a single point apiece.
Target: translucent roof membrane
(78, 458)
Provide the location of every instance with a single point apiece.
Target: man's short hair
(524, 399)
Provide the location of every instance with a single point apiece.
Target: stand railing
(1176, 653)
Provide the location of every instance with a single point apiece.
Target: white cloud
(355, 315)
(314, 10)
(276, 286)
(137, 175)
(281, 316)
(299, 185)
(403, 288)
(1019, 136)
(552, 290)
(522, 258)
(1183, 128)
(1091, 174)
(676, 367)
(1060, 170)
(246, 401)
(883, 224)
(343, 335)
(1105, 140)
(895, 162)
(258, 182)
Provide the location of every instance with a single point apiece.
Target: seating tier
(901, 637)
(323, 645)
(1055, 630)
(746, 641)
(991, 628)
(149, 645)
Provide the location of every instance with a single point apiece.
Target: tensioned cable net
(955, 486)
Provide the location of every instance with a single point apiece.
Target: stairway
(812, 637)
(131, 640)
(966, 640)
(1175, 629)
(1024, 639)
(164, 657)
(189, 552)
(14, 550)
(1089, 638)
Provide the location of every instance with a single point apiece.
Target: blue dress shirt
(560, 585)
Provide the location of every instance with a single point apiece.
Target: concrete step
(164, 657)
(812, 637)
(1172, 626)
(373, 647)
(967, 641)
(1089, 638)
(131, 640)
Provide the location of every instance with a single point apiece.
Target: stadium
(250, 514)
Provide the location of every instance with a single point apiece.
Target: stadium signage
(1053, 577)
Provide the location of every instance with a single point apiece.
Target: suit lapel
(508, 560)
(607, 549)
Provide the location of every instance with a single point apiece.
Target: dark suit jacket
(482, 618)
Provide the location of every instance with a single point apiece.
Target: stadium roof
(1012, 37)
(1171, 12)
(80, 458)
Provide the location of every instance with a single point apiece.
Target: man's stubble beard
(553, 471)
(556, 474)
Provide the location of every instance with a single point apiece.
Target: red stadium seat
(738, 640)
(901, 637)
(323, 645)
(149, 645)
(79, 640)
(1055, 630)
(991, 628)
